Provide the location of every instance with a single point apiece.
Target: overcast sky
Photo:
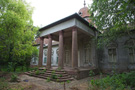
(49, 11)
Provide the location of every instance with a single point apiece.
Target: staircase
(51, 74)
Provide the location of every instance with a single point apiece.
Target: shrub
(13, 78)
(130, 79)
(115, 82)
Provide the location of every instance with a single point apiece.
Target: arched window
(112, 52)
(130, 44)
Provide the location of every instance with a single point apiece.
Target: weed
(53, 76)
(3, 84)
(57, 80)
(48, 79)
(115, 82)
(44, 70)
(53, 72)
(68, 81)
(13, 78)
(59, 68)
(91, 73)
(60, 75)
(37, 72)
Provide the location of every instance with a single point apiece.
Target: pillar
(61, 55)
(74, 49)
(41, 52)
(49, 52)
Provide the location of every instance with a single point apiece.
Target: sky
(49, 11)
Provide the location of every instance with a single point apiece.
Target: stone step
(57, 73)
(63, 80)
(62, 76)
(47, 75)
(57, 76)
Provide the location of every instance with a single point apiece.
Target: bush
(130, 79)
(115, 82)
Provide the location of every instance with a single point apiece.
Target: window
(52, 60)
(34, 61)
(52, 52)
(45, 60)
(67, 56)
(132, 55)
(112, 54)
(87, 53)
(45, 52)
(130, 44)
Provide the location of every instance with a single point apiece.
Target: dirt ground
(33, 83)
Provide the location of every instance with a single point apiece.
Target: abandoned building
(70, 44)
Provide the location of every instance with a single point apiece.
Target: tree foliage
(113, 16)
(16, 32)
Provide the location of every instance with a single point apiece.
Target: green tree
(113, 16)
(16, 32)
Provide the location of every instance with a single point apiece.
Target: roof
(66, 19)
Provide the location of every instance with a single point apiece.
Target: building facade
(75, 50)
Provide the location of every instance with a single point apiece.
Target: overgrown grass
(18, 69)
(3, 84)
(124, 81)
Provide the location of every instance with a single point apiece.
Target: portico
(75, 38)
